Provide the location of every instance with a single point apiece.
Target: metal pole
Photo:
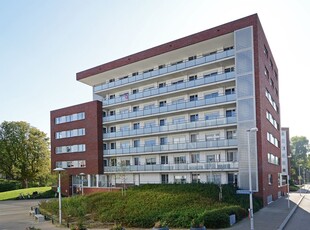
(288, 191)
(59, 190)
(250, 178)
(299, 177)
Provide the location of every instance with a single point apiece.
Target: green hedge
(8, 185)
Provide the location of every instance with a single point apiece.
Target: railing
(170, 88)
(172, 107)
(173, 147)
(166, 70)
(215, 166)
(172, 127)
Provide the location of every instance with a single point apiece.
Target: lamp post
(288, 183)
(299, 178)
(59, 170)
(250, 177)
(82, 176)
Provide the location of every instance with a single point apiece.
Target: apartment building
(182, 112)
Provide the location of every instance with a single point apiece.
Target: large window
(70, 118)
(149, 143)
(71, 164)
(195, 158)
(164, 179)
(180, 160)
(150, 161)
(71, 149)
(70, 133)
(231, 156)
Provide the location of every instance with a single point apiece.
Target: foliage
(24, 153)
(176, 204)
(8, 185)
(299, 148)
(43, 192)
(216, 219)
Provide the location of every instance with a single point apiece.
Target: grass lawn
(11, 195)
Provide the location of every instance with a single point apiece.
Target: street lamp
(82, 176)
(250, 177)
(59, 170)
(299, 178)
(288, 183)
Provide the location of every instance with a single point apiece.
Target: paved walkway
(14, 215)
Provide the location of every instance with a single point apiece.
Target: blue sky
(43, 44)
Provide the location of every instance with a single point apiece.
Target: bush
(216, 219)
(9, 185)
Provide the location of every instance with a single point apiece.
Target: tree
(24, 152)
(299, 148)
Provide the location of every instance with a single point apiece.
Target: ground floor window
(195, 178)
(164, 179)
(180, 179)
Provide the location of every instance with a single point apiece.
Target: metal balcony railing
(167, 70)
(218, 143)
(214, 166)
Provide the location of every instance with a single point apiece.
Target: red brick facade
(92, 139)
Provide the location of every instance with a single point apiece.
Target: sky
(43, 44)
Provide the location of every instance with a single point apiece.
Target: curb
(290, 214)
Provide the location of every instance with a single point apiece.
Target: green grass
(14, 194)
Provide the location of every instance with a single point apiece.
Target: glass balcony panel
(200, 61)
(163, 109)
(220, 55)
(155, 72)
(221, 121)
(163, 70)
(147, 130)
(190, 84)
(172, 68)
(163, 90)
(146, 75)
(181, 66)
(139, 77)
(210, 58)
(190, 63)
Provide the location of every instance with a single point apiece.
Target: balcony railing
(172, 107)
(171, 88)
(167, 70)
(215, 166)
(197, 146)
(172, 127)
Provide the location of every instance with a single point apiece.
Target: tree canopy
(299, 148)
(24, 152)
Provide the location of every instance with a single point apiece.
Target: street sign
(243, 192)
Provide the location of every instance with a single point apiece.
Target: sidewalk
(275, 215)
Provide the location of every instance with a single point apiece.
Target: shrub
(216, 219)
(9, 185)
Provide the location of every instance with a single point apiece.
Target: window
(229, 91)
(70, 118)
(272, 139)
(195, 158)
(210, 158)
(135, 73)
(272, 159)
(162, 85)
(195, 178)
(180, 160)
(164, 160)
(177, 101)
(192, 78)
(231, 156)
(136, 161)
(211, 95)
(193, 117)
(113, 145)
(124, 144)
(124, 96)
(192, 58)
(177, 82)
(228, 48)
(150, 161)
(164, 179)
(71, 164)
(193, 97)
(231, 134)
(180, 179)
(210, 74)
(162, 103)
(70, 149)
(112, 112)
(162, 122)
(121, 78)
(177, 62)
(161, 66)
(135, 108)
(193, 138)
(230, 69)
(112, 129)
(266, 72)
(149, 143)
(70, 133)
(113, 162)
(230, 113)
(125, 110)
(136, 143)
(163, 140)
(105, 146)
(135, 91)
(112, 96)
(178, 120)
(124, 128)
(266, 51)
(136, 125)
(212, 137)
(112, 80)
(270, 179)
(180, 139)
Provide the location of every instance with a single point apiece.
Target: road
(301, 218)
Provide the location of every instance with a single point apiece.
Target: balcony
(186, 126)
(172, 108)
(170, 88)
(180, 147)
(167, 70)
(216, 166)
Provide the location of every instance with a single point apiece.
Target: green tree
(299, 148)
(24, 153)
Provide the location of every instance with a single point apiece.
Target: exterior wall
(92, 139)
